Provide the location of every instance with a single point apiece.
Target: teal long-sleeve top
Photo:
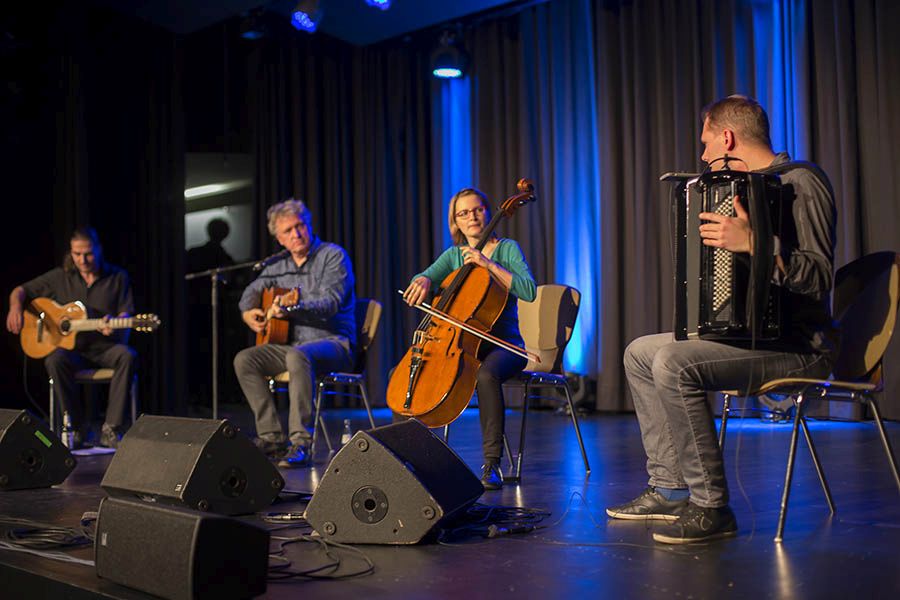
(508, 255)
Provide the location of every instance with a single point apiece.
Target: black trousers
(497, 366)
(62, 365)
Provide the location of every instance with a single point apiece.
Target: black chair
(368, 317)
(866, 294)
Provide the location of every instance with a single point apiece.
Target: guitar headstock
(146, 322)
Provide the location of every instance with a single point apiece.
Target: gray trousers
(669, 381)
(254, 366)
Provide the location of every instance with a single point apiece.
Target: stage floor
(580, 553)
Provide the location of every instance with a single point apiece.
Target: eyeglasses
(464, 214)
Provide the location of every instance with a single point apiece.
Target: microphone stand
(214, 279)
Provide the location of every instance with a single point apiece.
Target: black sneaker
(650, 505)
(272, 449)
(297, 457)
(491, 478)
(698, 524)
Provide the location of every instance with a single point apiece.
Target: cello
(436, 377)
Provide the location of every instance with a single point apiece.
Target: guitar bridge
(40, 328)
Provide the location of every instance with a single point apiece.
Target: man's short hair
(742, 114)
(286, 208)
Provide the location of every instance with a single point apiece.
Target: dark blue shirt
(327, 304)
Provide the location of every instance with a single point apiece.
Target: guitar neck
(97, 324)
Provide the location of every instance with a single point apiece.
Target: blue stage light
(448, 61)
(306, 16)
(253, 25)
(382, 4)
(447, 73)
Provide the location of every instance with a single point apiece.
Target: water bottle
(68, 433)
(347, 434)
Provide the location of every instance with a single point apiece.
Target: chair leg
(134, 393)
(726, 408)
(365, 399)
(818, 465)
(320, 387)
(884, 439)
(447, 433)
(789, 473)
(506, 448)
(520, 452)
(326, 435)
(587, 466)
(52, 407)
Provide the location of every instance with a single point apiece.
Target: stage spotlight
(306, 15)
(382, 4)
(252, 25)
(448, 61)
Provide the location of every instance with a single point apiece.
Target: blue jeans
(669, 381)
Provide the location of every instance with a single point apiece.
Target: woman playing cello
(467, 218)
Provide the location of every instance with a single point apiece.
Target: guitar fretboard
(96, 324)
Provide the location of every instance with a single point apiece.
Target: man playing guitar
(105, 290)
(321, 334)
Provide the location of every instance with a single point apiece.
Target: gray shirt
(327, 304)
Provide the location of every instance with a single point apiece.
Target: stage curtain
(347, 130)
(113, 90)
(597, 99)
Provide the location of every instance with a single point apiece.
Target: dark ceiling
(350, 20)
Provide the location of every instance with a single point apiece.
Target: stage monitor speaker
(31, 456)
(178, 553)
(204, 464)
(391, 485)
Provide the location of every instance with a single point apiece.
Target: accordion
(722, 295)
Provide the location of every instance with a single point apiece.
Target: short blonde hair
(458, 237)
(288, 207)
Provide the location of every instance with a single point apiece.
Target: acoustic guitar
(277, 331)
(48, 326)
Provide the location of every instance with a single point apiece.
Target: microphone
(270, 259)
(497, 531)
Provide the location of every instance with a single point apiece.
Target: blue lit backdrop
(769, 44)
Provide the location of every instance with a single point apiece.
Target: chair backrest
(368, 317)
(866, 293)
(547, 323)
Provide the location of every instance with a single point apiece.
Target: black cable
(328, 570)
(26, 533)
(489, 521)
(726, 159)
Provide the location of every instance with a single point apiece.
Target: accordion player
(722, 295)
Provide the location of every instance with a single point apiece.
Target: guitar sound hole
(64, 326)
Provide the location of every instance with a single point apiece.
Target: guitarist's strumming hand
(255, 319)
(276, 311)
(15, 318)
